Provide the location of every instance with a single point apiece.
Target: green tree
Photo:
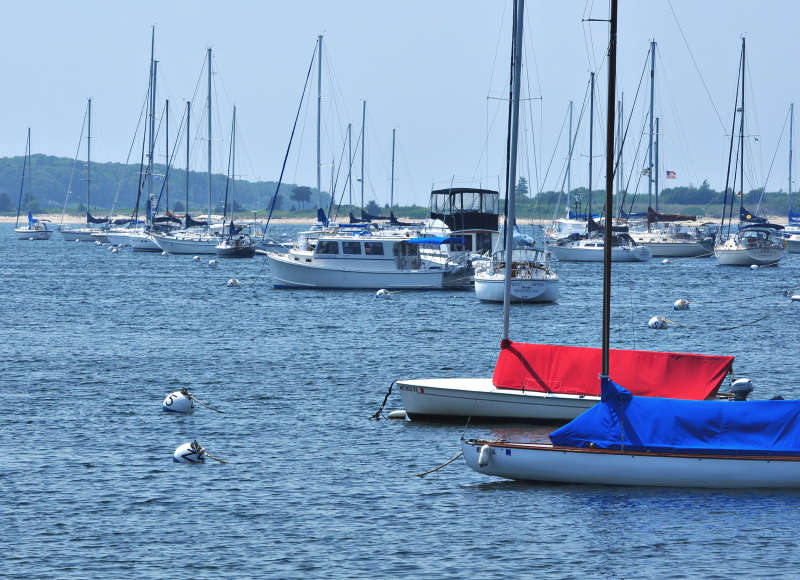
(301, 194)
(5, 203)
(522, 187)
(373, 208)
(178, 207)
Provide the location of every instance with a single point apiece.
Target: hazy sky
(425, 68)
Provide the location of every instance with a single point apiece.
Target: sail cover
(654, 216)
(575, 370)
(622, 421)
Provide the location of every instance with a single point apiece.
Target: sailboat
(198, 239)
(84, 234)
(539, 382)
(588, 246)
(631, 440)
(36, 229)
(756, 241)
(791, 234)
(234, 244)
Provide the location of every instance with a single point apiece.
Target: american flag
(671, 174)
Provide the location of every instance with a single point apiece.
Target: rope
(379, 413)
(185, 392)
(445, 464)
(750, 323)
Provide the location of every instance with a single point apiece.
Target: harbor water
(92, 342)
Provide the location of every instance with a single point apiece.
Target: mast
(650, 148)
(350, 161)
(619, 144)
(391, 195)
(319, 118)
(512, 165)
(24, 167)
(208, 222)
(591, 144)
(363, 137)
(233, 165)
(152, 106)
(791, 122)
(166, 153)
(741, 136)
(510, 105)
(188, 118)
(88, 162)
(655, 177)
(620, 170)
(612, 88)
(569, 160)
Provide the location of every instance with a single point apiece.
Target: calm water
(93, 341)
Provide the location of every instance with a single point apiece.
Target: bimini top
(625, 422)
(575, 370)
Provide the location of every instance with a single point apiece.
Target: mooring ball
(382, 293)
(234, 282)
(164, 253)
(189, 453)
(754, 267)
(196, 258)
(178, 402)
(666, 261)
(212, 263)
(657, 322)
(681, 304)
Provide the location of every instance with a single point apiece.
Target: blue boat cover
(622, 421)
(436, 241)
(794, 217)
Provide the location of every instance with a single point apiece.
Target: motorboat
(580, 248)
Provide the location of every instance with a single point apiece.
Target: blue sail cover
(436, 240)
(622, 421)
(794, 217)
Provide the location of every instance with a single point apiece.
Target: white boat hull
(491, 289)
(748, 257)
(479, 398)
(288, 273)
(141, 242)
(272, 246)
(532, 462)
(79, 235)
(100, 236)
(792, 242)
(176, 245)
(26, 234)
(618, 254)
(676, 249)
(118, 238)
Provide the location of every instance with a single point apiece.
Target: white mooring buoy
(164, 253)
(233, 283)
(754, 266)
(666, 261)
(213, 263)
(657, 322)
(383, 293)
(190, 453)
(178, 402)
(115, 250)
(96, 242)
(196, 258)
(680, 304)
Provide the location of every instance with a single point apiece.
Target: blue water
(93, 341)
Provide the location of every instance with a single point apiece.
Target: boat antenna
(612, 87)
(516, 61)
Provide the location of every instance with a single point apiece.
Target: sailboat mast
(391, 197)
(152, 118)
(591, 144)
(619, 145)
(512, 165)
(24, 167)
(350, 161)
(166, 153)
(319, 119)
(650, 148)
(655, 177)
(208, 222)
(188, 119)
(741, 134)
(89, 161)
(791, 122)
(510, 105)
(569, 159)
(612, 88)
(363, 137)
(233, 165)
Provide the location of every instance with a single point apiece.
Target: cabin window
(351, 248)
(328, 247)
(483, 241)
(373, 248)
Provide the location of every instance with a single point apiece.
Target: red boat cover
(575, 370)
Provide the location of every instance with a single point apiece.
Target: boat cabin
(469, 212)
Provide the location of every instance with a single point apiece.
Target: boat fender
(754, 266)
(189, 453)
(681, 304)
(741, 388)
(212, 263)
(164, 253)
(666, 261)
(383, 293)
(196, 258)
(178, 402)
(657, 322)
(483, 455)
(234, 282)
(398, 414)
(795, 297)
